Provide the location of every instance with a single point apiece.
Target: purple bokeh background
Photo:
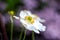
(49, 13)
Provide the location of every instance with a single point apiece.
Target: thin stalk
(11, 28)
(20, 37)
(24, 35)
(33, 35)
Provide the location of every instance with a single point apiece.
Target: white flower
(30, 21)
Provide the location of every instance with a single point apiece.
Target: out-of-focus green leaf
(12, 4)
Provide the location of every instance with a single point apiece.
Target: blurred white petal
(36, 31)
(39, 26)
(32, 28)
(23, 21)
(24, 13)
(28, 12)
(16, 17)
(43, 28)
(40, 20)
(37, 18)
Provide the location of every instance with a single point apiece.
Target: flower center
(29, 19)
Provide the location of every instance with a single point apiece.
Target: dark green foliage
(13, 4)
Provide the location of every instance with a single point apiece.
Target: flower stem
(11, 27)
(24, 35)
(33, 35)
(20, 37)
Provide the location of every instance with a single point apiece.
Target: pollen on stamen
(29, 19)
(32, 21)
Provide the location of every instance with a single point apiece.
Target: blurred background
(46, 9)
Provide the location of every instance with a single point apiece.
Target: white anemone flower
(31, 21)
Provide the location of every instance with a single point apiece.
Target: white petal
(43, 28)
(28, 12)
(33, 16)
(23, 21)
(16, 17)
(24, 13)
(37, 18)
(41, 20)
(37, 24)
(36, 31)
(31, 28)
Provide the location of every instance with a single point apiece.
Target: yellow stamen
(29, 19)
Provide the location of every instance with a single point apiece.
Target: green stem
(20, 35)
(11, 27)
(33, 35)
(24, 35)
